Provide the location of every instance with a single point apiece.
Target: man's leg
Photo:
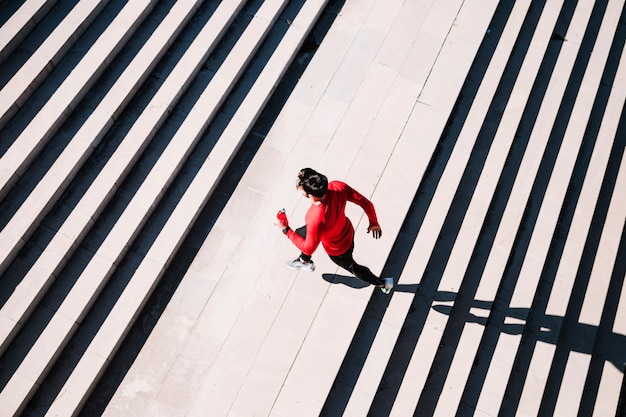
(302, 232)
(347, 262)
(303, 262)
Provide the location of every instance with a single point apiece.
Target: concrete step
(20, 24)
(470, 338)
(462, 363)
(16, 310)
(27, 145)
(46, 57)
(416, 267)
(52, 185)
(429, 340)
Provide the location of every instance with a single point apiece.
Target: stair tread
(34, 71)
(20, 23)
(21, 152)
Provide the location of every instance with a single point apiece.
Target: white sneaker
(388, 285)
(298, 264)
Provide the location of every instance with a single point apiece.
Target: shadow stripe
(535, 321)
(495, 322)
(608, 346)
(570, 337)
(460, 311)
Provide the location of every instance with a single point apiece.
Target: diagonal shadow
(583, 274)
(450, 338)
(580, 171)
(488, 343)
(90, 240)
(604, 339)
(76, 188)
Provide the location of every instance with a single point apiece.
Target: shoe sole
(300, 268)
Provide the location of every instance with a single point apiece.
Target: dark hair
(312, 182)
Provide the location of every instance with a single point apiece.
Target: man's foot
(388, 285)
(302, 266)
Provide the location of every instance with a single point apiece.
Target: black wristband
(286, 230)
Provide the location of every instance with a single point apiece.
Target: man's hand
(376, 231)
(282, 226)
(281, 220)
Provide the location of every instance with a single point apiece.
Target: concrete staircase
(490, 136)
(162, 28)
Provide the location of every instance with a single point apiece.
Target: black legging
(347, 262)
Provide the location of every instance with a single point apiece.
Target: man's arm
(308, 244)
(368, 207)
(305, 245)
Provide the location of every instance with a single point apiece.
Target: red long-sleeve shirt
(326, 223)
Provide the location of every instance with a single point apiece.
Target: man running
(326, 223)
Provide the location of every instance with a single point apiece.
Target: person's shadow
(354, 282)
(612, 349)
(588, 339)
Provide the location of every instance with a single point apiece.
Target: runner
(326, 223)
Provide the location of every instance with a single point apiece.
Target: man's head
(312, 183)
